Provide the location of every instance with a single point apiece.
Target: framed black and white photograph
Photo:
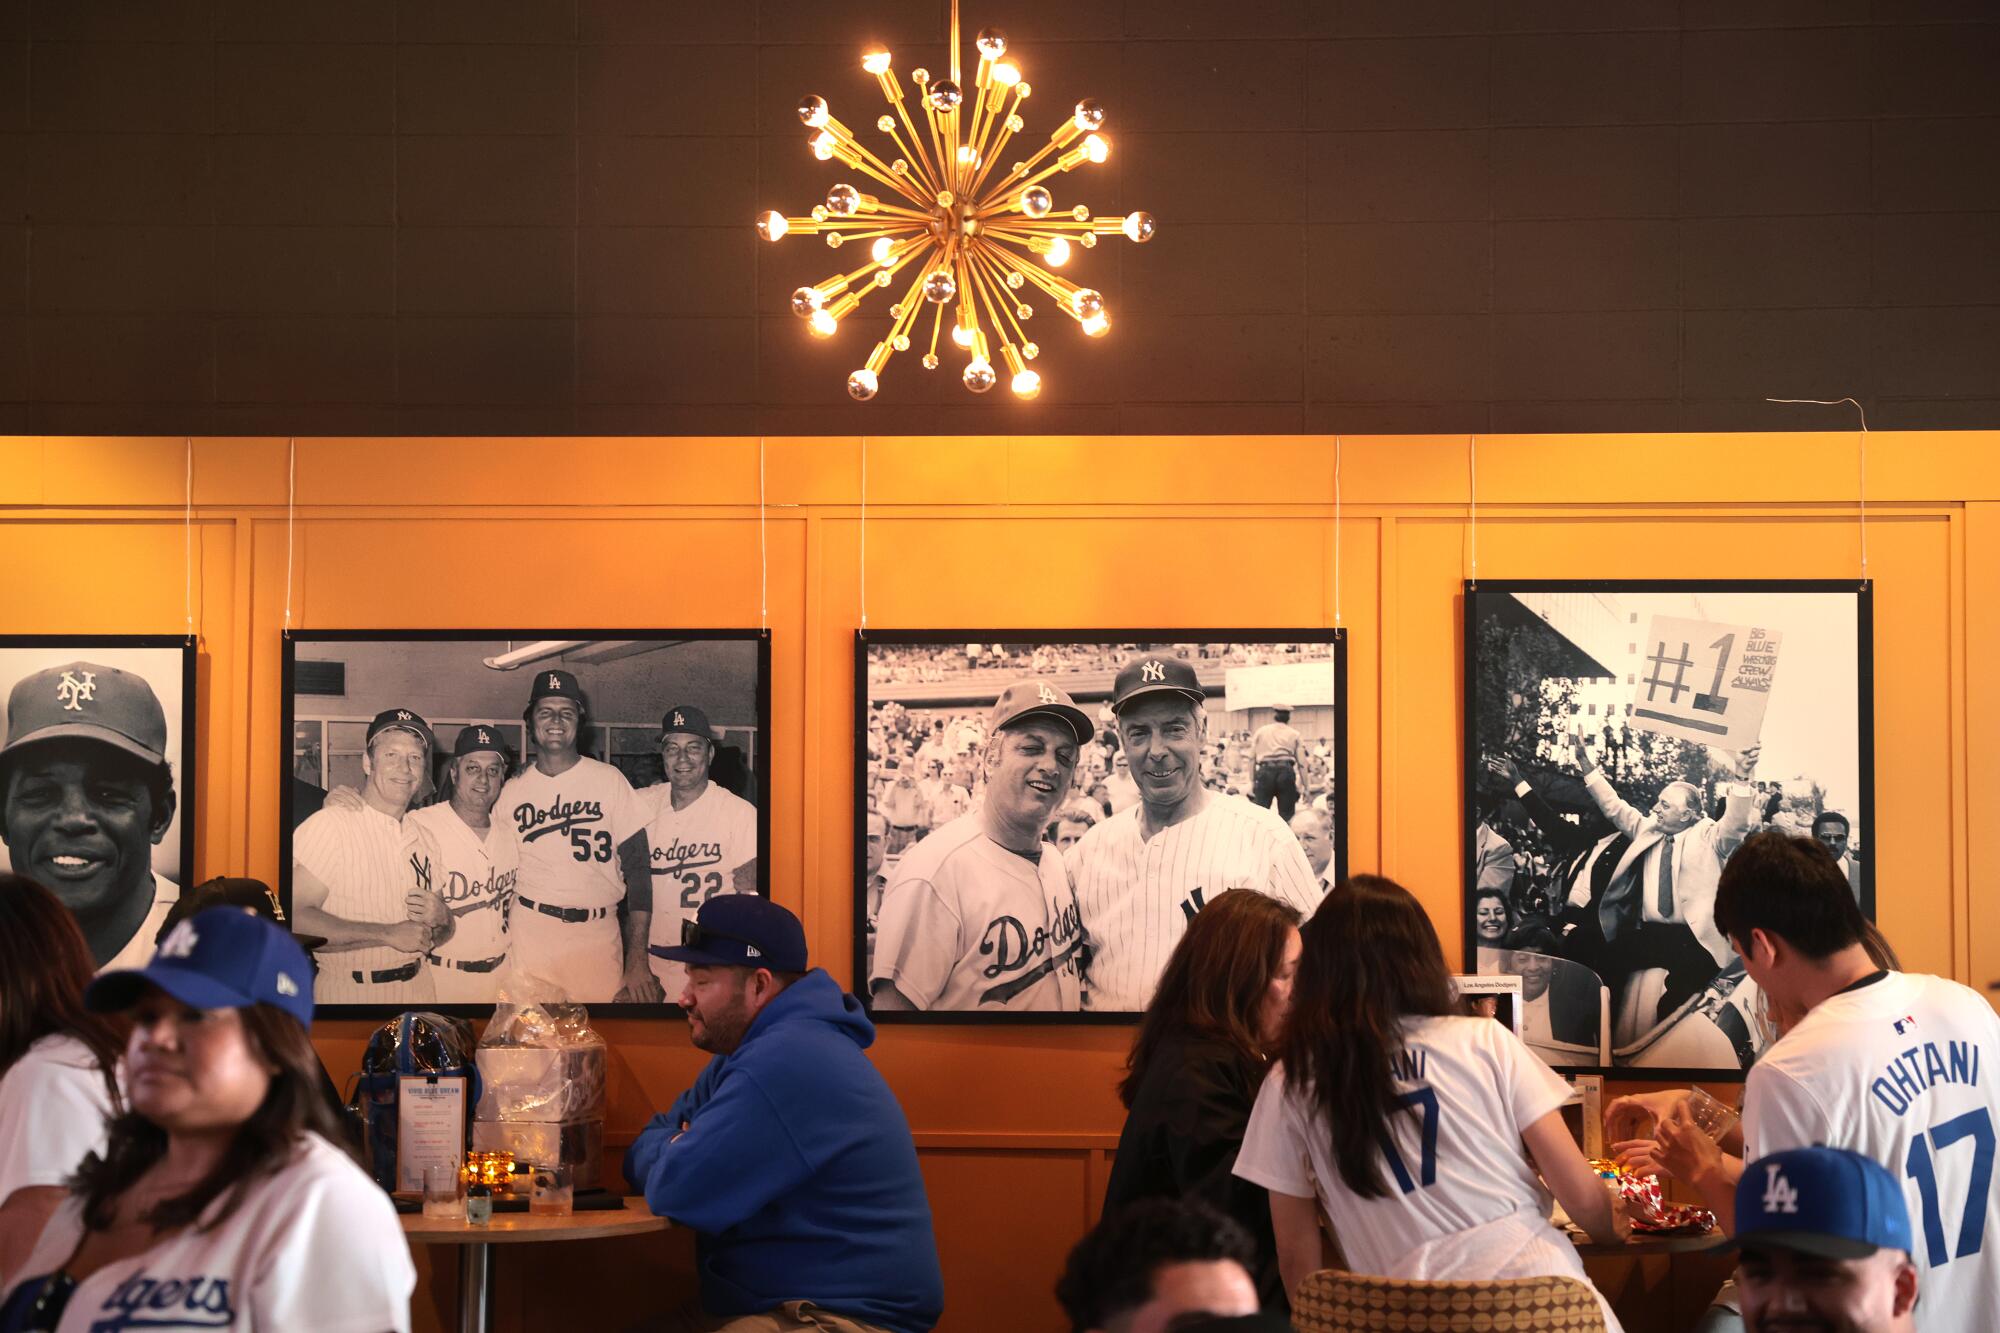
(524, 815)
(96, 777)
(1039, 815)
(1622, 740)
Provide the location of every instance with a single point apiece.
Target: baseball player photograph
(95, 732)
(540, 767)
(978, 895)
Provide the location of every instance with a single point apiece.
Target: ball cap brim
(1155, 675)
(1026, 699)
(221, 958)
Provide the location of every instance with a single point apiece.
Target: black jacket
(1181, 1138)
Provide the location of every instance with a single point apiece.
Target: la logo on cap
(1779, 1196)
(1046, 695)
(180, 942)
(484, 739)
(286, 986)
(1152, 671)
(679, 721)
(555, 681)
(72, 693)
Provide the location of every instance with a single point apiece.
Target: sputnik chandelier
(975, 240)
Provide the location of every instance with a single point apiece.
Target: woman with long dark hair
(221, 1200)
(58, 1063)
(1196, 1064)
(1424, 1126)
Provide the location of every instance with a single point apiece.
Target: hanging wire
(763, 546)
(291, 507)
(1862, 444)
(1336, 532)
(187, 542)
(864, 532)
(1472, 503)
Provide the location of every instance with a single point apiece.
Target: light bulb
(1095, 326)
(822, 324)
(1036, 201)
(879, 252)
(1086, 302)
(1027, 383)
(806, 300)
(772, 226)
(843, 200)
(940, 286)
(823, 145)
(962, 334)
(812, 110)
(1006, 74)
(992, 43)
(944, 95)
(930, 361)
(1058, 254)
(1139, 227)
(1089, 114)
(968, 156)
(885, 123)
(861, 385)
(1096, 148)
(876, 62)
(1030, 351)
(979, 376)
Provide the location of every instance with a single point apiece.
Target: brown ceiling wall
(509, 217)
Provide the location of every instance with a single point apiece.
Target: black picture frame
(1483, 606)
(41, 651)
(613, 643)
(1089, 697)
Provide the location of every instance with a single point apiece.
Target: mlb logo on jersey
(1904, 1024)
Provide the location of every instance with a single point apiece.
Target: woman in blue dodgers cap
(220, 1201)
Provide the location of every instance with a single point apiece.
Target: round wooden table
(1641, 1244)
(518, 1229)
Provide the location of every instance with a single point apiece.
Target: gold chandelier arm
(945, 163)
(933, 177)
(992, 292)
(918, 164)
(937, 326)
(886, 174)
(990, 156)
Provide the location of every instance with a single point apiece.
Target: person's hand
(640, 987)
(1639, 1156)
(1621, 1214)
(1634, 1115)
(1580, 751)
(409, 937)
(345, 798)
(1683, 1149)
(1506, 769)
(427, 908)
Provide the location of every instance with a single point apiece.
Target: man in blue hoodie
(789, 1157)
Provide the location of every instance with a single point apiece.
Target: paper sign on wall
(1704, 681)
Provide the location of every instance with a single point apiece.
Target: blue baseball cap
(740, 930)
(1827, 1202)
(223, 958)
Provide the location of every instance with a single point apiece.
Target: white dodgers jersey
(475, 874)
(1137, 894)
(570, 828)
(968, 925)
(1902, 1070)
(695, 852)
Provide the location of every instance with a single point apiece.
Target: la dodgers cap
(686, 718)
(475, 737)
(555, 685)
(1155, 675)
(223, 958)
(87, 701)
(1827, 1202)
(401, 719)
(740, 930)
(1034, 698)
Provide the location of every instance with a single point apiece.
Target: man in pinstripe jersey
(1141, 875)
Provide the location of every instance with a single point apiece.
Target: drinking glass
(551, 1191)
(441, 1199)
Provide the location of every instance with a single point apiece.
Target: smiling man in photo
(86, 793)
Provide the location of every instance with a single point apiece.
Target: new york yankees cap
(401, 719)
(1155, 675)
(555, 685)
(740, 930)
(1036, 698)
(87, 701)
(689, 719)
(475, 737)
(1827, 1202)
(223, 958)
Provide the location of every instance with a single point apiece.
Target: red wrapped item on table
(1651, 1214)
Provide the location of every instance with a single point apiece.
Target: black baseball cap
(475, 737)
(556, 685)
(1155, 675)
(88, 701)
(686, 718)
(401, 719)
(740, 930)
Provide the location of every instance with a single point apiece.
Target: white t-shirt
(54, 1108)
(968, 925)
(138, 950)
(475, 874)
(1137, 894)
(316, 1246)
(1474, 1088)
(694, 852)
(571, 828)
(1902, 1070)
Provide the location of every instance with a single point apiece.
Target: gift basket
(541, 1075)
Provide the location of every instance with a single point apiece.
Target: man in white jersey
(979, 915)
(364, 881)
(477, 860)
(86, 793)
(583, 853)
(703, 838)
(1899, 1067)
(1142, 874)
